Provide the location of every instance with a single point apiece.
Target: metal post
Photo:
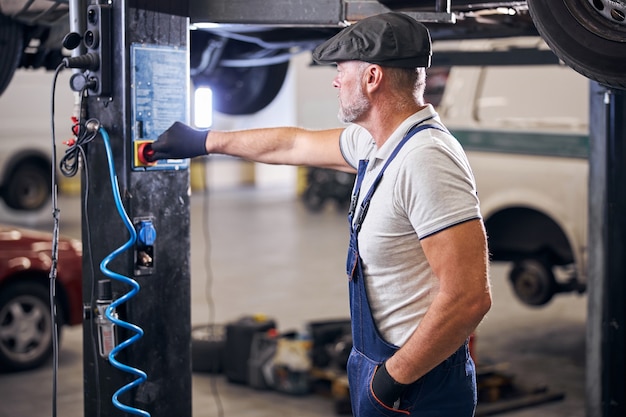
(442, 6)
(77, 21)
(156, 196)
(606, 369)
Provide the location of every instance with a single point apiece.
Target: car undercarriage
(241, 49)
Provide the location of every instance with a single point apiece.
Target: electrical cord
(70, 163)
(209, 286)
(92, 291)
(55, 251)
(69, 167)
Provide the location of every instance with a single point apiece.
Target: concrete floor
(269, 255)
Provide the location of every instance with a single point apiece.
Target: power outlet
(97, 39)
(145, 248)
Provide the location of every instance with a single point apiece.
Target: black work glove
(385, 388)
(179, 141)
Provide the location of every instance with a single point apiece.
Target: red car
(25, 319)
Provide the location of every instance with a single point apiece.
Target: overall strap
(366, 200)
(357, 189)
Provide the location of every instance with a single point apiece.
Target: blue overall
(449, 390)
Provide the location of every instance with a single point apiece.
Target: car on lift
(243, 50)
(26, 329)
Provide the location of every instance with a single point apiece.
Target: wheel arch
(514, 232)
(245, 77)
(40, 278)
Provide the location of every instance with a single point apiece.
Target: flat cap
(388, 39)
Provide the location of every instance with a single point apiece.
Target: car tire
(584, 35)
(25, 327)
(11, 48)
(29, 186)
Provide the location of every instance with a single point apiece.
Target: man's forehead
(351, 64)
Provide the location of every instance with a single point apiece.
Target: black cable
(209, 284)
(92, 290)
(69, 165)
(207, 255)
(55, 251)
(75, 156)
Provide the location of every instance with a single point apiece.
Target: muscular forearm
(271, 145)
(442, 331)
(284, 145)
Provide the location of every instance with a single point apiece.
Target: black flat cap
(388, 39)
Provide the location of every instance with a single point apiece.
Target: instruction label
(160, 95)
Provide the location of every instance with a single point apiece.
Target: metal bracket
(358, 9)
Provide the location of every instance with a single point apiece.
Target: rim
(604, 18)
(25, 329)
(612, 10)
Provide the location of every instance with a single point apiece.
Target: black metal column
(606, 347)
(162, 307)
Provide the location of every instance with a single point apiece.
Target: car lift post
(156, 196)
(606, 320)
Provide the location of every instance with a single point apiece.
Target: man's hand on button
(179, 141)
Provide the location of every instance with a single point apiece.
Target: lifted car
(242, 48)
(26, 146)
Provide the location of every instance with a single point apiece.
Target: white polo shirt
(428, 187)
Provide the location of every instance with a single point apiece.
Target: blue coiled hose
(110, 311)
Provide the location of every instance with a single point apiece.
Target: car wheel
(11, 48)
(25, 327)
(533, 281)
(239, 91)
(588, 35)
(28, 187)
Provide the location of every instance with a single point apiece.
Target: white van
(25, 141)
(526, 132)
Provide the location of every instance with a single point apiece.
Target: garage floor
(269, 255)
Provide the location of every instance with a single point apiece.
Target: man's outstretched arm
(280, 145)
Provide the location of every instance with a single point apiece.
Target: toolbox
(239, 336)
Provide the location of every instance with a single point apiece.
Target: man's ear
(373, 76)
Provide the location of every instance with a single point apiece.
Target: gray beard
(348, 114)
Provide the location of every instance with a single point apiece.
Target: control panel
(160, 84)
